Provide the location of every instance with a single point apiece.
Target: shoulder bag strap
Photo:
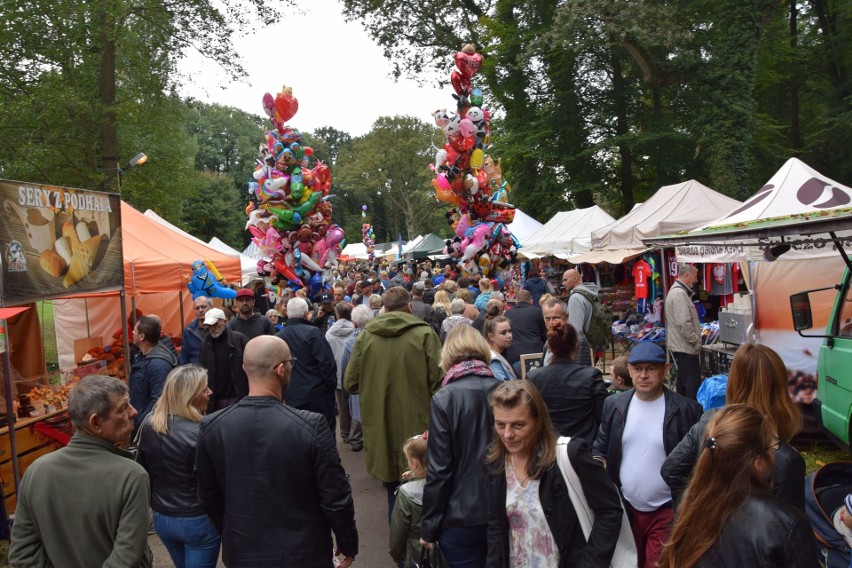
(575, 489)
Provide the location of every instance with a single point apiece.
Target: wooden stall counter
(33, 439)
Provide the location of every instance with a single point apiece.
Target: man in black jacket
(639, 428)
(269, 475)
(222, 355)
(315, 370)
(248, 321)
(528, 330)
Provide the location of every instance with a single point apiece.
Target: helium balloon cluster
(369, 240)
(289, 209)
(470, 180)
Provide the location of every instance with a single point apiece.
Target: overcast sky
(339, 76)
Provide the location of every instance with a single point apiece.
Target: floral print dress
(531, 543)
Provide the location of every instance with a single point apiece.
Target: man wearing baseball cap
(222, 355)
(324, 317)
(247, 321)
(639, 428)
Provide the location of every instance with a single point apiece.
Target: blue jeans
(465, 547)
(192, 542)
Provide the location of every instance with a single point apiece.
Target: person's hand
(347, 560)
(426, 545)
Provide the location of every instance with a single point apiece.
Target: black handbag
(431, 558)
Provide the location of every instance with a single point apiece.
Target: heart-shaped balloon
(468, 63)
(459, 82)
(286, 106)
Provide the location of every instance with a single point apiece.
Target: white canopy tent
(567, 234)
(681, 207)
(355, 250)
(524, 226)
(248, 265)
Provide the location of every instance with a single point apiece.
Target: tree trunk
(619, 92)
(795, 127)
(106, 84)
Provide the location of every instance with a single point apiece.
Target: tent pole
(122, 299)
(10, 411)
(180, 299)
(88, 329)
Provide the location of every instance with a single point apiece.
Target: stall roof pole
(125, 335)
(10, 411)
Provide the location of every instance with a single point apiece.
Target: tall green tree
(386, 170)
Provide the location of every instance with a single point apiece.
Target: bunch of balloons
(369, 240)
(470, 180)
(289, 209)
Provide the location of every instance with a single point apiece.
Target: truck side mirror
(801, 306)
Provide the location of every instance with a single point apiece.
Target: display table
(30, 444)
(716, 359)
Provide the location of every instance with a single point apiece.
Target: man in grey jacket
(580, 308)
(86, 504)
(337, 336)
(683, 331)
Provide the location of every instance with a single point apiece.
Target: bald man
(269, 475)
(580, 308)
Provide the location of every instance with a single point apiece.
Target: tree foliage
(604, 101)
(386, 170)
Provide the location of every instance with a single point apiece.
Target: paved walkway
(370, 515)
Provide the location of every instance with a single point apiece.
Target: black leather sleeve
(440, 469)
(677, 469)
(335, 494)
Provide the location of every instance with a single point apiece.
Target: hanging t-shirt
(641, 275)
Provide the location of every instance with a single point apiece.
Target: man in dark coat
(314, 377)
(528, 329)
(150, 368)
(248, 321)
(194, 333)
(222, 356)
(269, 475)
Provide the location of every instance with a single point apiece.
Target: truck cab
(833, 403)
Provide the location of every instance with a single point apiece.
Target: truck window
(845, 319)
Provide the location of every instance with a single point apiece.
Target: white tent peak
(795, 188)
(566, 234)
(673, 208)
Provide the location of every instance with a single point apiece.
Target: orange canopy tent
(156, 259)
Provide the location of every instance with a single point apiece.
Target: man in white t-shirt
(639, 428)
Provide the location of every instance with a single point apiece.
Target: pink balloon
(443, 182)
(467, 127)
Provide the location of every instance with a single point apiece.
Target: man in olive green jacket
(395, 368)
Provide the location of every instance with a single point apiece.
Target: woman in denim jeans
(167, 444)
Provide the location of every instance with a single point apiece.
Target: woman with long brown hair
(758, 378)
(531, 519)
(497, 331)
(729, 516)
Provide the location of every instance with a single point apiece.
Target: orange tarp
(156, 258)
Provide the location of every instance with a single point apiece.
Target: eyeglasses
(291, 360)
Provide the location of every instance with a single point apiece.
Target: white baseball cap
(213, 315)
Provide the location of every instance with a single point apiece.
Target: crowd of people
(236, 450)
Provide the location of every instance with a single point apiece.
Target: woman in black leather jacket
(460, 424)
(728, 516)
(758, 378)
(168, 438)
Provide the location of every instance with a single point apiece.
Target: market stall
(797, 200)
(156, 262)
(56, 242)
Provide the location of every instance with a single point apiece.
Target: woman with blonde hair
(442, 307)
(454, 504)
(758, 378)
(484, 294)
(729, 516)
(167, 442)
(531, 520)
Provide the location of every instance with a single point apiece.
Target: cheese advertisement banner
(57, 241)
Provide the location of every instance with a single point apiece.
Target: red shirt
(641, 273)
